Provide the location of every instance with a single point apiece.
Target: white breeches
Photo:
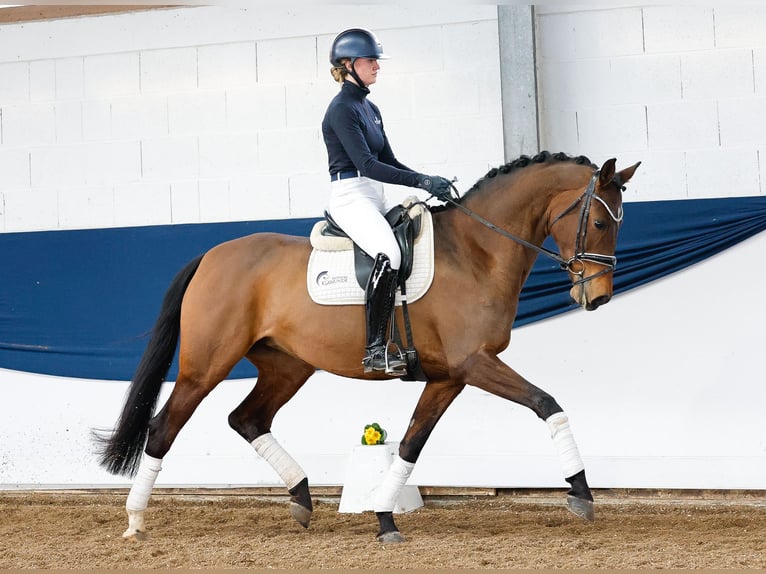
(358, 205)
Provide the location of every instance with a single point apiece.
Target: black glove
(439, 187)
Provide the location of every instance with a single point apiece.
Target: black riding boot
(381, 290)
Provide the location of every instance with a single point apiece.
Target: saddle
(406, 229)
(407, 224)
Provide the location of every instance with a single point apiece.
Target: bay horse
(248, 298)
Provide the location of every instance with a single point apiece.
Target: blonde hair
(339, 73)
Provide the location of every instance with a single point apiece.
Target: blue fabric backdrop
(79, 303)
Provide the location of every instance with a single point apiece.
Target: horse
(248, 298)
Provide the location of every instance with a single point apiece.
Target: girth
(405, 228)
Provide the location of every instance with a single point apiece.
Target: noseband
(575, 264)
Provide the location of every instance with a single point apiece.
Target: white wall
(101, 126)
(213, 114)
(681, 88)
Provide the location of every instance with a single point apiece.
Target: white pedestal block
(366, 469)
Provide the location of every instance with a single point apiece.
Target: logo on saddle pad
(331, 276)
(325, 279)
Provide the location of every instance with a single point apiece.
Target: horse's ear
(627, 173)
(607, 172)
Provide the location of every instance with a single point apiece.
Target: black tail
(120, 451)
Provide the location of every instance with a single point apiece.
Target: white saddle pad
(331, 278)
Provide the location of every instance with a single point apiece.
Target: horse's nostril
(597, 302)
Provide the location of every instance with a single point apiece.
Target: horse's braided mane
(522, 162)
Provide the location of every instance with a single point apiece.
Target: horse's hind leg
(433, 401)
(200, 371)
(279, 378)
(163, 429)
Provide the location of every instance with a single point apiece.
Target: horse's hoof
(301, 514)
(581, 507)
(394, 537)
(136, 535)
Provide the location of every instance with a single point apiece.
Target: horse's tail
(120, 451)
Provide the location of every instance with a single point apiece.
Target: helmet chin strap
(356, 77)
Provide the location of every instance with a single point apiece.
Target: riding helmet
(355, 43)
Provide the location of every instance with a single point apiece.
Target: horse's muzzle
(597, 302)
(581, 295)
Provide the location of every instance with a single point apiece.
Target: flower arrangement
(374, 434)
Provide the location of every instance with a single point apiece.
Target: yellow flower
(371, 436)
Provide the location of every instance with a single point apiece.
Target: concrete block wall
(682, 88)
(204, 114)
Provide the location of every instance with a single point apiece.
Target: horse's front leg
(489, 373)
(433, 401)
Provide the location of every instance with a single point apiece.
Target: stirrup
(396, 364)
(392, 363)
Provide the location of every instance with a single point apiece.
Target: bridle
(575, 264)
(608, 262)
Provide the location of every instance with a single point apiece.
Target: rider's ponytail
(339, 73)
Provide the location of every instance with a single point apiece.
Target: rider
(360, 161)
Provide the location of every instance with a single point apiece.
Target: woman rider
(361, 161)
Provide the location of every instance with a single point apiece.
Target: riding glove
(439, 187)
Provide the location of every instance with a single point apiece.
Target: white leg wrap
(388, 492)
(138, 499)
(571, 463)
(136, 526)
(287, 469)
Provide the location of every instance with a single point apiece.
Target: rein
(608, 261)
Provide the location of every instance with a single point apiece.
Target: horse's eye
(599, 224)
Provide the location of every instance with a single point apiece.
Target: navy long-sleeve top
(353, 133)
